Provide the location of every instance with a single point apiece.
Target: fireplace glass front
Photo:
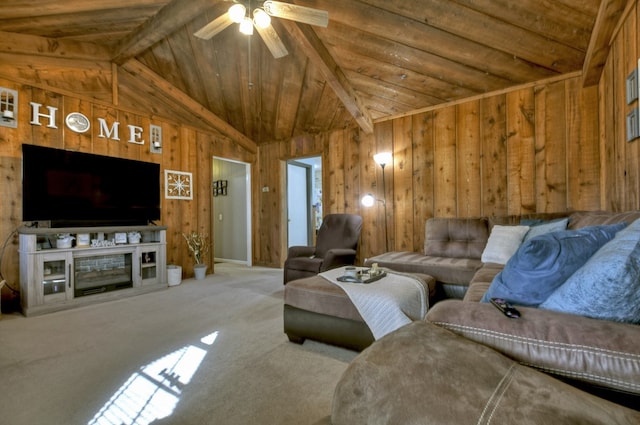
(102, 273)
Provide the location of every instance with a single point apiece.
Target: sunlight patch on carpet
(154, 391)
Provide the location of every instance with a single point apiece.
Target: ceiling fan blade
(214, 27)
(272, 40)
(297, 13)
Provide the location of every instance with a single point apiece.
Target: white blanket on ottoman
(386, 304)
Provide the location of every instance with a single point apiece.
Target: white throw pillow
(503, 242)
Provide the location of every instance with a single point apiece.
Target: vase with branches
(198, 244)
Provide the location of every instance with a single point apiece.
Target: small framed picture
(178, 185)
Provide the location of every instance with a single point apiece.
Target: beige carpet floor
(204, 352)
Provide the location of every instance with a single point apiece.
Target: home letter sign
(35, 114)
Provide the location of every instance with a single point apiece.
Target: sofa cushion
(581, 219)
(456, 271)
(608, 285)
(599, 352)
(543, 263)
(481, 281)
(306, 264)
(422, 374)
(503, 243)
(455, 237)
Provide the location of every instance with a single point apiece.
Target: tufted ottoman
(424, 374)
(317, 309)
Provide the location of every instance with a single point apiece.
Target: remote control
(507, 309)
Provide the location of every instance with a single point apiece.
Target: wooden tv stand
(53, 279)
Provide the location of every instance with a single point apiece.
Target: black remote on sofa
(507, 309)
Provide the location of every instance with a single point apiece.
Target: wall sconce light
(155, 138)
(8, 107)
(382, 159)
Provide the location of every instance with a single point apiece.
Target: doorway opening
(231, 211)
(304, 200)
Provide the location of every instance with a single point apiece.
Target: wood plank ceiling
(376, 58)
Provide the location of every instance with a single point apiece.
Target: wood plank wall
(546, 148)
(184, 149)
(535, 149)
(620, 160)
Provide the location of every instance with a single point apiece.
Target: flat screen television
(68, 188)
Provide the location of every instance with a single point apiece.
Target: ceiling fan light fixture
(261, 19)
(246, 26)
(237, 13)
(294, 12)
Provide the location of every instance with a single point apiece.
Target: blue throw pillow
(543, 263)
(608, 285)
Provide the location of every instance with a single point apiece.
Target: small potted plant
(198, 244)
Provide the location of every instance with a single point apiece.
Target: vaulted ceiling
(376, 58)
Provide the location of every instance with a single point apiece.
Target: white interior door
(298, 204)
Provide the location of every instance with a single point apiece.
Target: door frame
(284, 232)
(249, 261)
(308, 176)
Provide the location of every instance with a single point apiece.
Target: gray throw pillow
(546, 227)
(543, 263)
(608, 285)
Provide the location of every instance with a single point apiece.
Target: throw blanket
(386, 304)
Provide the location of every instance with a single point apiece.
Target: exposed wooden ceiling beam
(33, 45)
(56, 7)
(171, 17)
(608, 16)
(138, 69)
(320, 57)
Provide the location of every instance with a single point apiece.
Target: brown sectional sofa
(598, 355)
(452, 251)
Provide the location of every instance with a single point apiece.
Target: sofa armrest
(600, 352)
(300, 251)
(338, 257)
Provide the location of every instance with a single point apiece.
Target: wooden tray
(361, 278)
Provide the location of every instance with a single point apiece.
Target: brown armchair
(336, 246)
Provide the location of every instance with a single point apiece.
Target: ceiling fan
(262, 21)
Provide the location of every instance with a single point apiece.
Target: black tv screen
(71, 188)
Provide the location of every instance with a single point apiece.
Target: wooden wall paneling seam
(336, 173)
(468, 160)
(372, 235)
(607, 139)
(620, 143)
(403, 185)
(493, 153)
(582, 147)
(422, 150)
(554, 177)
(352, 171)
(522, 139)
(590, 189)
(629, 42)
(445, 196)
